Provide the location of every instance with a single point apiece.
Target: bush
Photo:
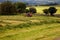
(52, 10)
(20, 7)
(33, 10)
(27, 10)
(46, 11)
(7, 8)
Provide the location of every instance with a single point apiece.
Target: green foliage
(46, 11)
(33, 10)
(27, 10)
(7, 8)
(20, 7)
(52, 10)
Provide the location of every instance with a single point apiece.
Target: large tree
(20, 7)
(7, 8)
(52, 10)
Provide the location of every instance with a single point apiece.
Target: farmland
(38, 27)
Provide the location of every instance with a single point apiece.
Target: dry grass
(48, 29)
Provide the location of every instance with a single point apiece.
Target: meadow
(38, 27)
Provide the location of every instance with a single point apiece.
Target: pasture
(20, 27)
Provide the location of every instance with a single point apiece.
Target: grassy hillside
(19, 27)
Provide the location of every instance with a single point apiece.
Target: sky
(58, 1)
(38, 0)
(42, 1)
(32, 0)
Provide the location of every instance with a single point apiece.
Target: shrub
(20, 7)
(7, 8)
(52, 10)
(46, 11)
(33, 10)
(27, 10)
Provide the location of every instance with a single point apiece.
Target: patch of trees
(31, 11)
(9, 8)
(51, 10)
(46, 11)
(20, 7)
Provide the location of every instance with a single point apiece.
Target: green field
(20, 27)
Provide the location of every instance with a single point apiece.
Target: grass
(33, 28)
(20, 27)
(42, 32)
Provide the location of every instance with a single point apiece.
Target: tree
(46, 11)
(7, 8)
(52, 10)
(20, 7)
(33, 10)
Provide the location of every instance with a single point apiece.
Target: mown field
(20, 27)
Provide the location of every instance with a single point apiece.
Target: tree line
(9, 8)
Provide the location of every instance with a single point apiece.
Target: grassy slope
(49, 29)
